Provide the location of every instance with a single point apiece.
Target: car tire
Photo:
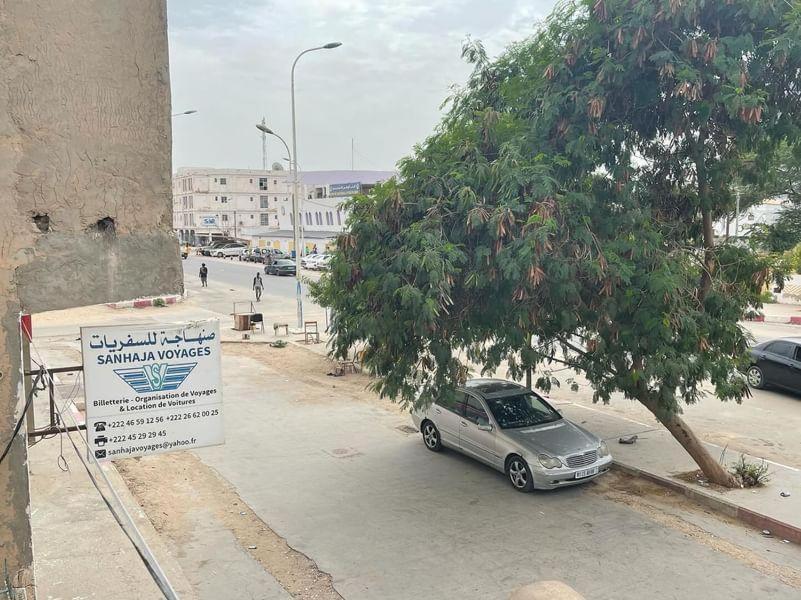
(220, 255)
(756, 378)
(519, 474)
(431, 436)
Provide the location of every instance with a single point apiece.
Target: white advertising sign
(152, 388)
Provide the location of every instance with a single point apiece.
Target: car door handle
(438, 411)
(464, 424)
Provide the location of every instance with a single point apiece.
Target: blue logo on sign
(157, 377)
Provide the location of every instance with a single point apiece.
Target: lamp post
(295, 223)
(186, 112)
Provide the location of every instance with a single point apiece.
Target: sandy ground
(184, 497)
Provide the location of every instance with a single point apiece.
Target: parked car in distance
(229, 251)
(776, 363)
(244, 256)
(308, 260)
(280, 266)
(514, 430)
(209, 249)
(321, 264)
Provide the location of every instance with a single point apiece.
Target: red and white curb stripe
(145, 302)
(772, 319)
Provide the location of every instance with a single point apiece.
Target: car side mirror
(484, 427)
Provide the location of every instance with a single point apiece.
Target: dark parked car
(776, 363)
(282, 266)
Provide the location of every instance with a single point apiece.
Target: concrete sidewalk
(789, 314)
(659, 457)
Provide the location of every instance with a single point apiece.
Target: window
(224, 199)
(308, 218)
(339, 218)
(251, 198)
(251, 216)
(263, 183)
(275, 199)
(264, 201)
(215, 180)
(264, 219)
(292, 220)
(275, 182)
(785, 349)
(329, 218)
(225, 218)
(223, 181)
(474, 412)
(522, 410)
(798, 353)
(453, 401)
(251, 181)
(283, 210)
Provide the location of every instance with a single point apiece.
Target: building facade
(85, 183)
(222, 203)
(255, 206)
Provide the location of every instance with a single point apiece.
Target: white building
(256, 206)
(211, 204)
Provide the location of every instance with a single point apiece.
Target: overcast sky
(230, 60)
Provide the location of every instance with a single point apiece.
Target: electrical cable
(138, 542)
(21, 419)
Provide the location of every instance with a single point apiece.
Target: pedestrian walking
(258, 286)
(204, 274)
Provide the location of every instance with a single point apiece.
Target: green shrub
(766, 297)
(159, 302)
(750, 474)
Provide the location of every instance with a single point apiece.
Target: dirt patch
(659, 504)
(172, 487)
(696, 477)
(311, 368)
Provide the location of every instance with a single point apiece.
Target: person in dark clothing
(258, 286)
(204, 274)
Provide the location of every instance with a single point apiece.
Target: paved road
(241, 274)
(388, 519)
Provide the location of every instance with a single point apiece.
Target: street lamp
(186, 112)
(295, 223)
(296, 207)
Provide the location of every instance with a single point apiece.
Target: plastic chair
(257, 319)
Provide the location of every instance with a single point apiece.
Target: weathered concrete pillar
(85, 198)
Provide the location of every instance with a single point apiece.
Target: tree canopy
(562, 212)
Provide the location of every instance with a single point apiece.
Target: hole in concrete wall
(42, 221)
(105, 225)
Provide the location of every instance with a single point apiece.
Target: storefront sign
(152, 389)
(344, 189)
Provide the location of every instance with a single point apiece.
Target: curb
(779, 320)
(145, 302)
(754, 519)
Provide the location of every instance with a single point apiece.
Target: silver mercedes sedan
(515, 431)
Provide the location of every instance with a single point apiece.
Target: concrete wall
(85, 195)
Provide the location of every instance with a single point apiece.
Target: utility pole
(737, 217)
(264, 164)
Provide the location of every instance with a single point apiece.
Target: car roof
(494, 388)
(793, 339)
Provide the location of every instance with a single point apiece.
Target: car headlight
(603, 450)
(549, 462)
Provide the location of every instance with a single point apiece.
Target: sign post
(152, 388)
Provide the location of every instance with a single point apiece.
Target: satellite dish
(278, 166)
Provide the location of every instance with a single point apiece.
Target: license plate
(586, 473)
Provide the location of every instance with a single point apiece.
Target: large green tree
(562, 212)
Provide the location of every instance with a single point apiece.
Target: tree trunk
(712, 469)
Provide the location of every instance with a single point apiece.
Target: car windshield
(522, 410)
(284, 263)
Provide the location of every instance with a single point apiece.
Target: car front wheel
(431, 436)
(756, 379)
(519, 474)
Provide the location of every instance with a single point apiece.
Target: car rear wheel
(756, 378)
(519, 474)
(431, 437)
